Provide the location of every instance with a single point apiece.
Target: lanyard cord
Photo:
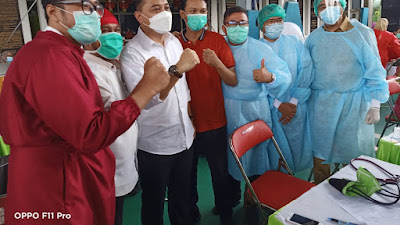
(393, 177)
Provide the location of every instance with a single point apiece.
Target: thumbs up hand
(262, 75)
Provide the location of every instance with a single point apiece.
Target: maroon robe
(52, 116)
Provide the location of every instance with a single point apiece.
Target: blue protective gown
(248, 101)
(294, 136)
(347, 75)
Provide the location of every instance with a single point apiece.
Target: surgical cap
(317, 2)
(271, 10)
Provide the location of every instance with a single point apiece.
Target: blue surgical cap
(317, 2)
(271, 10)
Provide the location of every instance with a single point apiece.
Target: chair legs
(249, 203)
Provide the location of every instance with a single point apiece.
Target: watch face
(172, 70)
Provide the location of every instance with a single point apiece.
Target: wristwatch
(173, 71)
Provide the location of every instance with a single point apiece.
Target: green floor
(132, 205)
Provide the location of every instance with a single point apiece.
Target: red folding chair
(273, 189)
(393, 117)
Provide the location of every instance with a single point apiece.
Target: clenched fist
(262, 75)
(188, 61)
(210, 57)
(155, 75)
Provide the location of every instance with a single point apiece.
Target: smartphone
(301, 220)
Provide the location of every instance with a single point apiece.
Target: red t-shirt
(204, 81)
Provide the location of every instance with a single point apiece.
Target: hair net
(271, 10)
(317, 2)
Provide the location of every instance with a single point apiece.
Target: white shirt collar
(98, 60)
(49, 28)
(148, 43)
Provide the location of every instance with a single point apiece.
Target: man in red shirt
(52, 116)
(207, 104)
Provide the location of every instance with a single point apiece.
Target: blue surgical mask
(111, 45)
(331, 14)
(273, 31)
(196, 21)
(87, 27)
(237, 34)
(9, 59)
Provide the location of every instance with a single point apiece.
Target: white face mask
(160, 23)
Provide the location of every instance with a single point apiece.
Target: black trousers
(213, 144)
(119, 209)
(157, 172)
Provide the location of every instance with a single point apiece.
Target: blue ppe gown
(248, 101)
(347, 76)
(294, 136)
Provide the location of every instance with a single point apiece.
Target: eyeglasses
(233, 23)
(87, 7)
(272, 21)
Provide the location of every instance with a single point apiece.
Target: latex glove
(372, 116)
(288, 111)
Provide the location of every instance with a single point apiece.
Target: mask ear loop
(66, 12)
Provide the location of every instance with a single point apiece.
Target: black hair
(183, 3)
(45, 3)
(233, 10)
(137, 4)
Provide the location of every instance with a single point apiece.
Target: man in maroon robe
(52, 115)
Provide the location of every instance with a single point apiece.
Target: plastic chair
(273, 189)
(393, 117)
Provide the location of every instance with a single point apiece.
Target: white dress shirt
(125, 146)
(164, 126)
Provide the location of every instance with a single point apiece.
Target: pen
(340, 221)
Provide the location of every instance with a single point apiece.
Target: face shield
(330, 11)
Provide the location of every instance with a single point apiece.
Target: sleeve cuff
(294, 101)
(277, 103)
(375, 103)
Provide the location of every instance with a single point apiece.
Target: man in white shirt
(100, 57)
(165, 129)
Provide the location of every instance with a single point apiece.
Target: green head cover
(317, 2)
(271, 10)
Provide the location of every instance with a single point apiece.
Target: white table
(318, 203)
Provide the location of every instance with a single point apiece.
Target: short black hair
(137, 4)
(48, 2)
(233, 10)
(183, 3)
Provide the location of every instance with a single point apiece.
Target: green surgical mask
(398, 35)
(196, 21)
(237, 34)
(111, 45)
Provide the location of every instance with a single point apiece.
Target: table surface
(317, 204)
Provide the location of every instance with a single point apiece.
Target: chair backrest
(249, 135)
